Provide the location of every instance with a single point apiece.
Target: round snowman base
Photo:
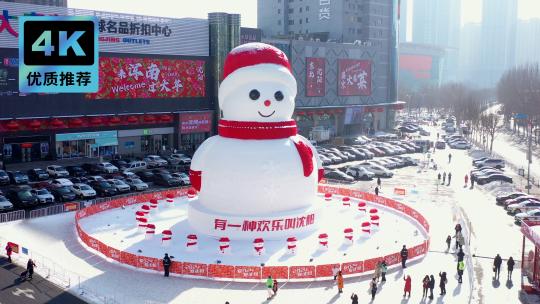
(112, 232)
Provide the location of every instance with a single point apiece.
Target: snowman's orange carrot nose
(267, 103)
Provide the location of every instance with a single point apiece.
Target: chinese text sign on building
(315, 77)
(354, 77)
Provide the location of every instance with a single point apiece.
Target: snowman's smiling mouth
(266, 115)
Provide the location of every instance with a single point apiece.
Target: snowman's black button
(254, 94)
(278, 96)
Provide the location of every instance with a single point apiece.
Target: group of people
(272, 287)
(497, 262)
(29, 272)
(444, 175)
(467, 180)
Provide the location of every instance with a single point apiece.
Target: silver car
(137, 184)
(43, 195)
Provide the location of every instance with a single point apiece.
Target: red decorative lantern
(12, 125)
(57, 123)
(301, 113)
(34, 124)
(149, 118)
(96, 120)
(115, 120)
(165, 118)
(132, 119)
(76, 122)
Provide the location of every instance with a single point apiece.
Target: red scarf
(256, 130)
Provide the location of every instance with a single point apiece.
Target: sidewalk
(37, 290)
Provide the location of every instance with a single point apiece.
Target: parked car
(83, 191)
(154, 161)
(523, 206)
(491, 162)
(325, 160)
(5, 204)
(22, 197)
(103, 188)
(128, 174)
(338, 175)
(166, 180)
(145, 176)
(500, 199)
(477, 160)
(136, 184)
(63, 194)
(76, 171)
(43, 195)
(531, 215)
(92, 168)
(4, 178)
(462, 145)
(37, 174)
(79, 180)
(520, 199)
(179, 159)
(136, 166)
(107, 167)
(493, 177)
(440, 145)
(61, 182)
(379, 171)
(121, 186)
(57, 171)
(17, 177)
(409, 161)
(360, 173)
(183, 177)
(95, 178)
(120, 164)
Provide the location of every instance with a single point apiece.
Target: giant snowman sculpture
(257, 177)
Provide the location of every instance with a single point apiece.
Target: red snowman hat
(254, 53)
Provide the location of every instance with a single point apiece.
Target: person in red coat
(407, 288)
(8, 252)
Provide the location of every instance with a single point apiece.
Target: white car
(179, 159)
(84, 191)
(378, 170)
(137, 184)
(107, 167)
(531, 215)
(184, 178)
(492, 162)
(154, 161)
(119, 185)
(523, 206)
(360, 173)
(43, 195)
(57, 171)
(460, 145)
(5, 204)
(61, 182)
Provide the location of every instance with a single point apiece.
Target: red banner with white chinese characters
(301, 272)
(195, 122)
(354, 77)
(247, 272)
(325, 270)
(126, 78)
(315, 77)
(352, 267)
(220, 271)
(277, 272)
(393, 258)
(371, 264)
(195, 269)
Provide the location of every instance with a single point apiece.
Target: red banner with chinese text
(325, 270)
(195, 269)
(195, 122)
(392, 259)
(176, 267)
(352, 267)
(301, 272)
(220, 271)
(315, 77)
(129, 259)
(277, 272)
(354, 77)
(371, 264)
(247, 272)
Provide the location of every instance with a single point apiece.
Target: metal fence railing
(51, 210)
(12, 216)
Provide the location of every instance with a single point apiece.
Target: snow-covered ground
(492, 232)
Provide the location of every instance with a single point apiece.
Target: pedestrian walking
(466, 180)
(373, 288)
(431, 286)
(460, 255)
(407, 288)
(384, 269)
(377, 190)
(404, 255)
(442, 283)
(449, 178)
(30, 268)
(449, 157)
(378, 271)
(460, 240)
(437, 135)
(448, 242)
(510, 265)
(439, 177)
(379, 181)
(497, 266)
(425, 286)
(340, 282)
(461, 268)
(458, 229)
(472, 181)
(275, 287)
(270, 287)
(354, 299)
(166, 264)
(9, 251)
(443, 178)
(335, 271)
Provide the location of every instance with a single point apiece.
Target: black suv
(76, 171)
(63, 194)
(22, 197)
(37, 174)
(103, 188)
(166, 180)
(92, 169)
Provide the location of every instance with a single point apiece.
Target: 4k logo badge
(58, 54)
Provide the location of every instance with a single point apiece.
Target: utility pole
(529, 158)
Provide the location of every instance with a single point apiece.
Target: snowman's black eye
(254, 94)
(278, 96)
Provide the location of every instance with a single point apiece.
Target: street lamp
(529, 155)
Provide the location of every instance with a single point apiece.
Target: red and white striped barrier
(374, 221)
(362, 207)
(139, 215)
(258, 246)
(191, 193)
(346, 201)
(224, 245)
(291, 245)
(150, 231)
(191, 244)
(323, 241)
(166, 237)
(373, 211)
(366, 229)
(153, 203)
(145, 208)
(348, 233)
(170, 200)
(141, 223)
(328, 197)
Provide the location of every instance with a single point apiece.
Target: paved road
(36, 291)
